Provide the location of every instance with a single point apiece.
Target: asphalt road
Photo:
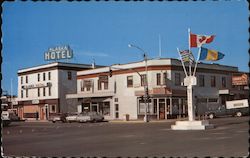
(229, 138)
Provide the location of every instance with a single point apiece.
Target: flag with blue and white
(187, 56)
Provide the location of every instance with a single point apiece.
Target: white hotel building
(120, 94)
(42, 89)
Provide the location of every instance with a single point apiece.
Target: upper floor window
(177, 79)
(49, 91)
(201, 81)
(143, 80)
(129, 81)
(213, 81)
(223, 82)
(22, 80)
(44, 92)
(26, 79)
(38, 77)
(158, 79)
(69, 75)
(38, 92)
(49, 75)
(99, 86)
(44, 77)
(21, 93)
(165, 78)
(82, 85)
(27, 93)
(106, 85)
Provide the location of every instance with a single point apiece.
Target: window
(49, 91)
(223, 82)
(38, 77)
(116, 99)
(26, 79)
(116, 107)
(22, 80)
(49, 76)
(21, 93)
(104, 108)
(99, 87)
(69, 75)
(143, 80)
(38, 92)
(213, 81)
(106, 85)
(44, 77)
(53, 108)
(88, 88)
(44, 92)
(177, 79)
(158, 79)
(82, 85)
(215, 100)
(27, 93)
(201, 81)
(165, 78)
(129, 81)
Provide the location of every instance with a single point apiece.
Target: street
(229, 138)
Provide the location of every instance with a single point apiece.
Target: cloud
(92, 54)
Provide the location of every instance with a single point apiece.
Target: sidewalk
(142, 121)
(42, 121)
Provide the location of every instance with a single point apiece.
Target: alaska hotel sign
(57, 53)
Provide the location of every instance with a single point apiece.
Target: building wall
(67, 86)
(127, 99)
(33, 80)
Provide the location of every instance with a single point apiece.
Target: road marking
(20, 131)
(222, 138)
(217, 133)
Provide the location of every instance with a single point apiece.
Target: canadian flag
(199, 40)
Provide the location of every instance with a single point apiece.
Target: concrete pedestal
(191, 125)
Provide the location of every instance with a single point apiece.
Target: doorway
(161, 109)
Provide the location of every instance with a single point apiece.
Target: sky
(103, 30)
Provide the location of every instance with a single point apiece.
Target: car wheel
(238, 114)
(54, 121)
(211, 116)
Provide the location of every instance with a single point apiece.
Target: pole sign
(57, 53)
(240, 79)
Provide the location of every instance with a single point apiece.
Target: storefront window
(142, 107)
(104, 108)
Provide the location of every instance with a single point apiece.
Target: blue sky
(103, 30)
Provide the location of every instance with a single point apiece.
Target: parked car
(234, 108)
(89, 117)
(58, 117)
(71, 117)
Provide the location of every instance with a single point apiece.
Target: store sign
(240, 79)
(39, 85)
(60, 52)
(36, 101)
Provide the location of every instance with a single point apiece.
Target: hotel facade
(117, 91)
(42, 89)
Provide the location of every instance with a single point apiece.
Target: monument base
(192, 125)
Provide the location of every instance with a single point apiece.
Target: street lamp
(145, 84)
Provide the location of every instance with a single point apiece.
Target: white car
(71, 117)
(89, 117)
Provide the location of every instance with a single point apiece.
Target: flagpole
(198, 57)
(189, 49)
(182, 63)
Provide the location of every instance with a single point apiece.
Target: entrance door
(162, 109)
